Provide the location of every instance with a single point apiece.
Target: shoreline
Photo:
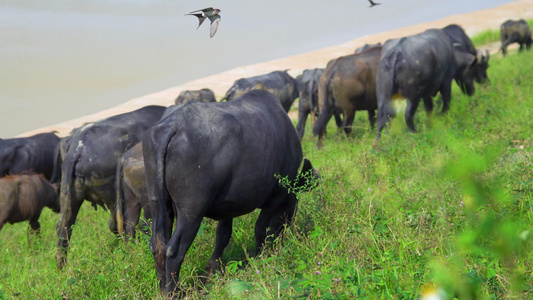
(472, 23)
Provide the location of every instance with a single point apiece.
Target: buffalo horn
(479, 56)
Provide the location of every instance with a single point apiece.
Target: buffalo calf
(22, 197)
(132, 194)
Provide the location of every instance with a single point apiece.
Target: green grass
(451, 207)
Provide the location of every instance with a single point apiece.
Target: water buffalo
(366, 47)
(33, 154)
(463, 43)
(219, 161)
(203, 95)
(417, 67)
(308, 99)
(515, 32)
(132, 193)
(279, 83)
(22, 197)
(348, 85)
(89, 166)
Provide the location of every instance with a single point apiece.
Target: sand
(472, 23)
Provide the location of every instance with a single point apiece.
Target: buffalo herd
(220, 160)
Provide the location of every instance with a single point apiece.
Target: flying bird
(372, 3)
(211, 13)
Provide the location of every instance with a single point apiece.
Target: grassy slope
(451, 205)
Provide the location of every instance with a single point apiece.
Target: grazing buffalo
(279, 83)
(308, 100)
(462, 42)
(132, 193)
(203, 95)
(515, 32)
(22, 197)
(219, 161)
(30, 154)
(366, 47)
(89, 166)
(348, 85)
(417, 67)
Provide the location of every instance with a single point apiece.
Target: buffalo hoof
(61, 258)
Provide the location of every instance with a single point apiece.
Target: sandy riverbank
(219, 83)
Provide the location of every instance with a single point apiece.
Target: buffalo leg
(410, 110)
(446, 92)
(338, 119)
(3, 217)
(302, 119)
(69, 212)
(187, 225)
(428, 105)
(224, 230)
(264, 220)
(348, 121)
(34, 224)
(321, 124)
(372, 118)
(161, 229)
(132, 214)
(283, 215)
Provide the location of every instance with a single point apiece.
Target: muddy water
(63, 59)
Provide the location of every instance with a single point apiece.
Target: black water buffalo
(203, 95)
(308, 99)
(417, 67)
(22, 197)
(348, 85)
(132, 193)
(219, 161)
(89, 166)
(279, 83)
(33, 154)
(462, 42)
(366, 47)
(515, 32)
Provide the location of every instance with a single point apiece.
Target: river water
(63, 59)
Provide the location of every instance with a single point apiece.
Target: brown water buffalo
(132, 193)
(348, 85)
(203, 95)
(515, 32)
(279, 83)
(219, 160)
(89, 165)
(22, 197)
(366, 47)
(30, 154)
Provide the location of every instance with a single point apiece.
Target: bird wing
(200, 17)
(204, 10)
(215, 20)
(200, 21)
